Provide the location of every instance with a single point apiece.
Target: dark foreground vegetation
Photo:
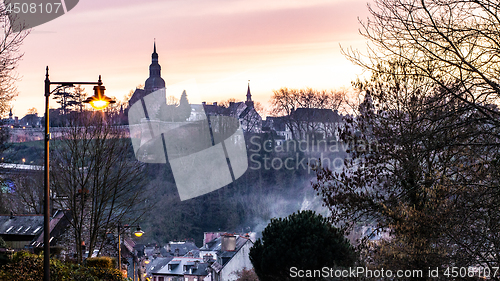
(29, 267)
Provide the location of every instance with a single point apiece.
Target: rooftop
(21, 224)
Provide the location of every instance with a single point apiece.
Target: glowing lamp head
(138, 232)
(99, 104)
(99, 101)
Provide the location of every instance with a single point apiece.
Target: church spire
(249, 95)
(154, 56)
(249, 101)
(154, 68)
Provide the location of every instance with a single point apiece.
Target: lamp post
(98, 92)
(137, 233)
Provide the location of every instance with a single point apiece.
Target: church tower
(154, 82)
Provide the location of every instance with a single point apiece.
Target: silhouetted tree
(94, 169)
(184, 108)
(442, 42)
(304, 240)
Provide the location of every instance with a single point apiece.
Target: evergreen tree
(304, 240)
(184, 108)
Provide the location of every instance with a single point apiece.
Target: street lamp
(99, 100)
(99, 91)
(137, 233)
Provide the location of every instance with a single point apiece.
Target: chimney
(231, 103)
(204, 103)
(176, 252)
(214, 103)
(207, 258)
(228, 242)
(11, 215)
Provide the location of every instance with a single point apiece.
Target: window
(160, 278)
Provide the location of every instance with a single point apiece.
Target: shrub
(101, 262)
(29, 267)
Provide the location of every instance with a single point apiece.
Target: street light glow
(99, 101)
(138, 232)
(99, 104)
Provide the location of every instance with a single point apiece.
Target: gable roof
(137, 95)
(29, 225)
(177, 265)
(157, 264)
(182, 247)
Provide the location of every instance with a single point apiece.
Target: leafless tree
(445, 43)
(432, 183)
(285, 102)
(10, 44)
(96, 175)
(29, 192)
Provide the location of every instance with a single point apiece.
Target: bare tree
(413, 172)
(95, 172)
(445, 43)
(32, 110)
(227, 103)
(29, 192)
(432, 181)
(10, 43)
(285, 102)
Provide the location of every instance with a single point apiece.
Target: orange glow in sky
(221, 44)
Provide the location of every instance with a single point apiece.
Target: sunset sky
(219, 44)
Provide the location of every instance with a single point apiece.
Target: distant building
(11, 121)
(31, 121)
(179, 249)
(315, 123)
(181, 268)
(152, 84)
(249, 118)
(278, 127)
(22, 232)
(19, 231)
(230, 253)
(305, 123)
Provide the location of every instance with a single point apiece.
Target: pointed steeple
(249, 101)
(10, 113)
(249, 95)
(154, 56)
